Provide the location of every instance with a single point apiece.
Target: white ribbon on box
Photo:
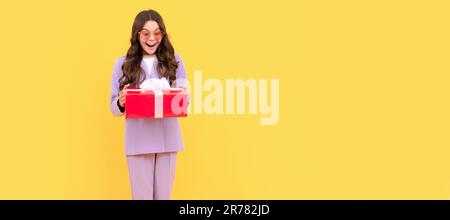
(156, 85)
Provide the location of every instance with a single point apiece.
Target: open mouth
(150, 45)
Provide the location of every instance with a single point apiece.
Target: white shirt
(149, 61)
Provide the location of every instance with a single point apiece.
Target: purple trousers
(152, 175)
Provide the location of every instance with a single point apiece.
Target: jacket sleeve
(113, 102)
(181, 80)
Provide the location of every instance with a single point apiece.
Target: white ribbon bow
(155, 84)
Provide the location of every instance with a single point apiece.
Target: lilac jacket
(143, 135)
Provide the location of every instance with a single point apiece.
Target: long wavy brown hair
(167, 66)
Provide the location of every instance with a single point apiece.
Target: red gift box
(141, 103)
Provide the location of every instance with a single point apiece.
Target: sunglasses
(145, 34)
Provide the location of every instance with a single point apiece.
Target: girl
(151, 145)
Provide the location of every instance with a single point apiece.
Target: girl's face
(150, 37)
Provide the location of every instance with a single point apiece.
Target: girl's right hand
(122, 95)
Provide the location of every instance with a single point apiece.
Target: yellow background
(364, 99)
